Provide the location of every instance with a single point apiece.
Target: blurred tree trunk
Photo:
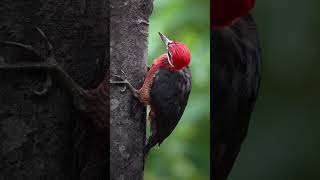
(43, 137)
(128, 52)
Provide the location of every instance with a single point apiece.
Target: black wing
(235, 77)
(169, 96)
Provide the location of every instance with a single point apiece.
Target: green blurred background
(284, 135)
(283, 140)
(185, 155)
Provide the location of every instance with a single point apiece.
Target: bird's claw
(50, 55)
(24, 46)
(117, 76)
(42, 92)
(49, 58)
(125, 75)
(123, 81)
(46, 88)
(123, 89)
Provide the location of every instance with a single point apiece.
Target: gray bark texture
(128, 52)
(44, 137)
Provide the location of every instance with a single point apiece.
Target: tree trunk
(128, 52)
(43, 137)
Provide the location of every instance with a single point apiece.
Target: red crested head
(178, 54)
(225, 12)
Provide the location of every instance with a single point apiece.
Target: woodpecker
(166, 89)
(235, 77)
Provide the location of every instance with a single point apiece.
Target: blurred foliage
(185, 155)
(283, 141)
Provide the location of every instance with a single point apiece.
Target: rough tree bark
(43, 137)
(128, 52)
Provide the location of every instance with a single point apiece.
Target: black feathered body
(235, 78)
(168, 96)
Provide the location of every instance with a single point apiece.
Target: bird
(235, 78)
(166, 90)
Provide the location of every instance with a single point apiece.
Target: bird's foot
(122, 81)
(48, 59)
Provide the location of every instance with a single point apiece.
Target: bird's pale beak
(164, 39)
